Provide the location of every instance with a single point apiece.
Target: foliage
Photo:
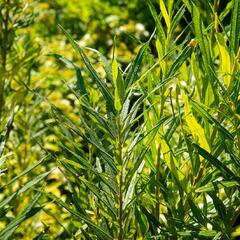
(139, 149)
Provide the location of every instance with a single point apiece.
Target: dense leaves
(125, 125)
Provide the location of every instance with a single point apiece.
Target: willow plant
(111, 167)
(17, 55)
(156, 156)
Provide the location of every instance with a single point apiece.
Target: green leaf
(133, 176)
(28, 170)
(132, 74)
(118, 86)
(197, 214)
(100, 194)
(101, 121)
(218, 185)
(177, 17)
(214, 161)
(27, 186)
(106, 65)
(204, 45)
(4, 135)
(200, 108)
(68, 163)
(165, 14)
(7, 200)
(160, 29)
(209, 233)
(183, 56)
(28, 212)
(97, 230)
(33, 182)
(9, 229)
(151, 218)
(103, 88)
(219, 205)
(142, 220)
(235, 29)
(90, 136)
(80, 82)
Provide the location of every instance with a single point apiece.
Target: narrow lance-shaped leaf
(225, 63)
(74, 195)
(29, 169)
(171, 161)
(97, 230)
(80, 162)
(200, 108)
(133, 72)
(23, 189)
(33, 182)
(217, 185)
(197, 213)
(195, 128)
(139, 164)
(106, 64)
(103, 88)
(119, 88)
(80, 82)
(159, 26)
(99, 194)
(160, 51)
(183, 56)
(102, 122)
(90, 136)
(28, 212)
(214, 161)
(203, 43)
(235, 26)
(165, 14)
(218, 204)
(4, 136)
(177, 17)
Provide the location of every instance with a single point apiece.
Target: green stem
(5, 37)
(4, 54)
(120, 237)
(157, 207)
(120, 162)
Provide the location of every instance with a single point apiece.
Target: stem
(157, 207)
(4, 55)
(120, 162)
(5, 37)
(120, 237)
